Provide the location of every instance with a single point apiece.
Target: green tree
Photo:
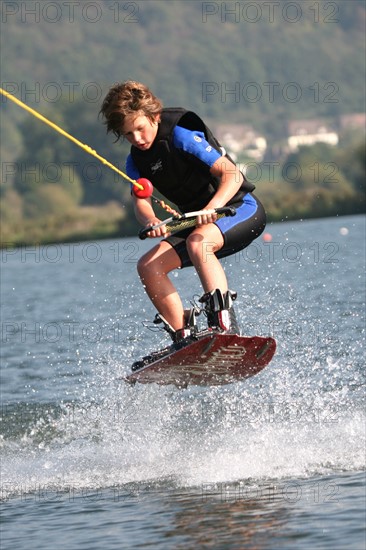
(352, 162)
(100, 183)
(45, 159)
(50, 158)
(48, 200)
(324, 181)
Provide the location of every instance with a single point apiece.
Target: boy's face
(140, 131)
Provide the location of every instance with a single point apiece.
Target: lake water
(274, 462)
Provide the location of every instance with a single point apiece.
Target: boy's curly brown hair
(128, 98)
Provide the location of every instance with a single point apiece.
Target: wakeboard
(212, 360)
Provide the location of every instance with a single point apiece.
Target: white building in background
(241, 140)
(309, 132)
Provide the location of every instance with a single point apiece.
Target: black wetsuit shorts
(238, 231)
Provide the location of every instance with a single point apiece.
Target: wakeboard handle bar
(223, 211)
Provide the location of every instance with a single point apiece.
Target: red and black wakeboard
(214, 359)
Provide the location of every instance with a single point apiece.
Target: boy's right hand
(158, 232)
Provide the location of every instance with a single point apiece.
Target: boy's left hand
(204, 219)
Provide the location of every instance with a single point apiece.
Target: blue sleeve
(131, 169)
(195, 143)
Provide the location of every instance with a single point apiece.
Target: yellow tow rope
(71, 138)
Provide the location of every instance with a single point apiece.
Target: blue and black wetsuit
(178, 165)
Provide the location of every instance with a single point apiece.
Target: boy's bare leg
(153, 269)
(155, 265)
(202, 244)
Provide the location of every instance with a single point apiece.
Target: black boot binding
(220, 312)
(221, 317)
(189, 331)
(181, 337)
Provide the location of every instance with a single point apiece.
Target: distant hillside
(261, 63)
(254, 62)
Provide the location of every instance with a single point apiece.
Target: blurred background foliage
(61, 58)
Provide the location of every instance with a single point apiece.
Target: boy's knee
(142, 266)
(147, 266)
(194, 245)
(199, 249)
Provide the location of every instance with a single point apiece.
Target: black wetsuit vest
(175, 173)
